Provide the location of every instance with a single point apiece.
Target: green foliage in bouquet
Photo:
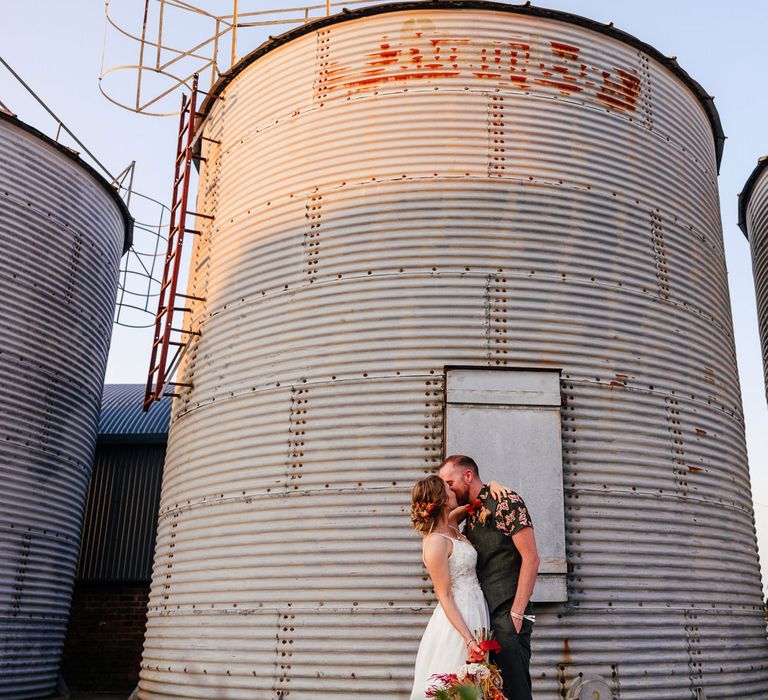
(463, 692)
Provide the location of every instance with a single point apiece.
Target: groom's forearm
(525, 541)
(525, 584)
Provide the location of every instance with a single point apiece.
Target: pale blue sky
(57, 47)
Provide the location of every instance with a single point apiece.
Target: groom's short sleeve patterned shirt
(511, 515)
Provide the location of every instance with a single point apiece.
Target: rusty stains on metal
(505, 63)
(322, 27)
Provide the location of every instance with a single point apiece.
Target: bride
(448, 640)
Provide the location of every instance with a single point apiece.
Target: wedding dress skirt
(442, 649)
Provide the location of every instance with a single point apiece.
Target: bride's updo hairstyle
(428, 498)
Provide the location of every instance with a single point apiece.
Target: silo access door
(508, 421)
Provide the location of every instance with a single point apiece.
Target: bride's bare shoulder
(437, 546)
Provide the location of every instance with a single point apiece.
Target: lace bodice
(461, 564)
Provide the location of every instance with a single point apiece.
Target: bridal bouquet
(478, 679)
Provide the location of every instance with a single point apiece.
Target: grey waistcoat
(498, 561)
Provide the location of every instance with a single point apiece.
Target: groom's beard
(463, 498)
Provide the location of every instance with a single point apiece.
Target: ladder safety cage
(163, 363)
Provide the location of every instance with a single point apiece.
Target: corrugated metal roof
(122, 418)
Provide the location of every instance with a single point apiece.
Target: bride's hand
(498, 490)
(474, 652)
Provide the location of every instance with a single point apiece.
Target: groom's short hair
(463, 462)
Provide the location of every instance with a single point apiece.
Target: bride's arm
(457, 516)
(436, 553)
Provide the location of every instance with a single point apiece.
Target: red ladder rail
(162, 363)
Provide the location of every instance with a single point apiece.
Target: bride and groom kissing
(483, 577)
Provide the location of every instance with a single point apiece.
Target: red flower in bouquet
(478, 676)
(490, 645)
(443, 681)
(486, 644)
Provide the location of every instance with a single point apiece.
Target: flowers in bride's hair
(424, 509)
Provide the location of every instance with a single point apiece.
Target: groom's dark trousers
(515, 656)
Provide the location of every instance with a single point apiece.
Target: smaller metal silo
(753, 221)
(63, 229)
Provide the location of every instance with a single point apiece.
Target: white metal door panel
(519, 446)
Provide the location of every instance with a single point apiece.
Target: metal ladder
(163, 363)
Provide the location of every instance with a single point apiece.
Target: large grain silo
(753, 221)
(63, 230)
(442, 227)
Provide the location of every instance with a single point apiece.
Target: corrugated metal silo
(753, 220)
(63, 230)
(411, 187)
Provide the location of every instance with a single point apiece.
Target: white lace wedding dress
(442, 649)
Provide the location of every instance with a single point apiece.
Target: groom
(507, 563)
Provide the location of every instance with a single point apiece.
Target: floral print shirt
(509, 517)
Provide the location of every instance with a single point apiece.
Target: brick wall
(105, 636)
